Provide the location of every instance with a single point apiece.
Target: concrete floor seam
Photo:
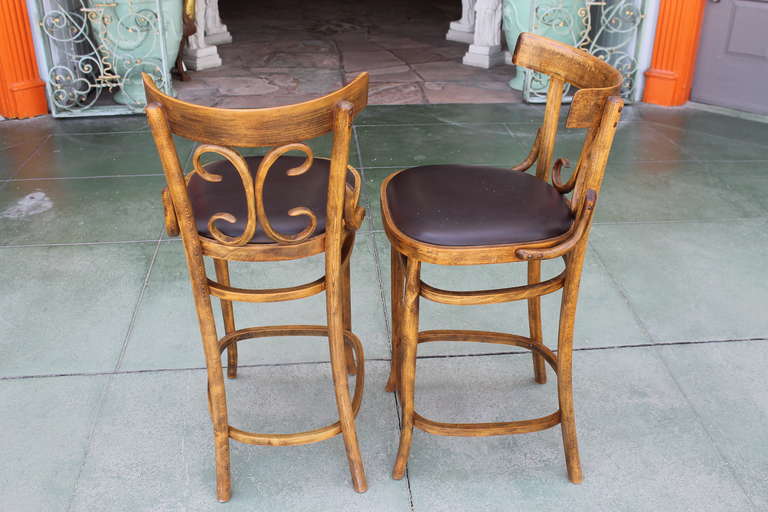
(46, 178)
(380, 359)
(136, 308)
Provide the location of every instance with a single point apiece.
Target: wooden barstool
(470, 215)
(236, 209)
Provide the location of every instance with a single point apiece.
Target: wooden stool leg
(223, 478)
(217, 394)
(574, 262)
(227, 311)
(396, 288)
(339, 368)
(346, 290)
(534, 322)
(408, 342)
(217, 406)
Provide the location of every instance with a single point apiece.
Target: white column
(215, 31)
(199, 55)
(463, 30)
(485, 50)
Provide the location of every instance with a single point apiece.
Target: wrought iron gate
(608, 29)
(95, 52)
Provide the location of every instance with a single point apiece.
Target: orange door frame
(22, 93)
(669, 79)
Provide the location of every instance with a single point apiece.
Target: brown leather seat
(461, 205)
(281, 193)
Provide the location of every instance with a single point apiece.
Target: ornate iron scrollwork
(95, 47)
(607, 29)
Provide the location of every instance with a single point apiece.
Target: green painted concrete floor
(102, 391)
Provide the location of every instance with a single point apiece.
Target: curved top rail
(596, 79)
(273, 126)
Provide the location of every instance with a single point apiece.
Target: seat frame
(597, 107)
(218, 131)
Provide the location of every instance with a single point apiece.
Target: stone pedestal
(485, 50)
(217, 38)
(483, 56)
(463, 30)
(199, 53)
(198, 59)
(460, 33)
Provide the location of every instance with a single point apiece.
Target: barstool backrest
(221, 131)
(595, 106)
(274, 126)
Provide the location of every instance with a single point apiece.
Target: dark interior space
(287, 51)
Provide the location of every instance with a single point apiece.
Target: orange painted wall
(22, 93)
(669, 79)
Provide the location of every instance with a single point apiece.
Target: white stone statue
(463, 30)
(485, 50)
(201, 53)
(488, 23)
(215, 31)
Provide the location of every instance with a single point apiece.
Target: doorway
(287, 51)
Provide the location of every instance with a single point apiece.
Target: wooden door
(732, 63)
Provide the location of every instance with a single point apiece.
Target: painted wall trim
(668, 81)
(37, 37)
(645, 45)
(22, 93)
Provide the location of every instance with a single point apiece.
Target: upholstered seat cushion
(461, 205)
(281, 193)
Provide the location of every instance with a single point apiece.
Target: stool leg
(346, 290)
(221, 438)
(339, 368)
(222, 276)
(396, 289)
(408, 342)
(574, 262)
(217, 395)
(534, 322)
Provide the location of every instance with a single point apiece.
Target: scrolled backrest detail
(280, 130)
(241, 166)
(261, 176)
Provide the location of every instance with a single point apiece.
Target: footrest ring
(486, 429)
(310, 436)
(498, 338)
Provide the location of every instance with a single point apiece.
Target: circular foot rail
(498, 338)
(310, 436)
(495, 428)
(486, 429)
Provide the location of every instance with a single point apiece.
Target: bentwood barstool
(267, 208)
(468, 215)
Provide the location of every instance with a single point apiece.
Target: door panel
(732, 64)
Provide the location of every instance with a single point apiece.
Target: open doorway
(287, 51)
